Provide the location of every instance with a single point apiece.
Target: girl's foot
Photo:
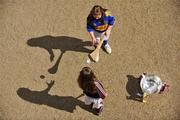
(107, 48)
(99, 111)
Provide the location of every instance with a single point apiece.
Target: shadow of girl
(67, 103)
(63, 43)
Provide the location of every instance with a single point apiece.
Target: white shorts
(97, 102)
(98, 35)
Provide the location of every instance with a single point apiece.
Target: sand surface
(146, 38)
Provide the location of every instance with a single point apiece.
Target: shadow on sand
(133, 87)
(63, 43)
(66, 103)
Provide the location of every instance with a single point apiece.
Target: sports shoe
(99, 111)
(107, 48)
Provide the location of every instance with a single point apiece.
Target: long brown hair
(86, 80)
(96, 10)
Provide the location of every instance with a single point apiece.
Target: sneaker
(99, 111)
(107, 48)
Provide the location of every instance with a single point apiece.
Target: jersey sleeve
(100, 89)
(89, 26)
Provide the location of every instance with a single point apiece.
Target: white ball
(88, 61)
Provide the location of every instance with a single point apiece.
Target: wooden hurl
(95, 54)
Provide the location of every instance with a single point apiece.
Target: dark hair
(86, 80)
(96, 10)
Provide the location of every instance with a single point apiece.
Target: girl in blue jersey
(100, 22)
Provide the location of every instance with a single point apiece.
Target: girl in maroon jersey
(92, 88)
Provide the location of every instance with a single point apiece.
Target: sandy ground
(146, 37)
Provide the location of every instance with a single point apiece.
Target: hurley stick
(95, 54)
